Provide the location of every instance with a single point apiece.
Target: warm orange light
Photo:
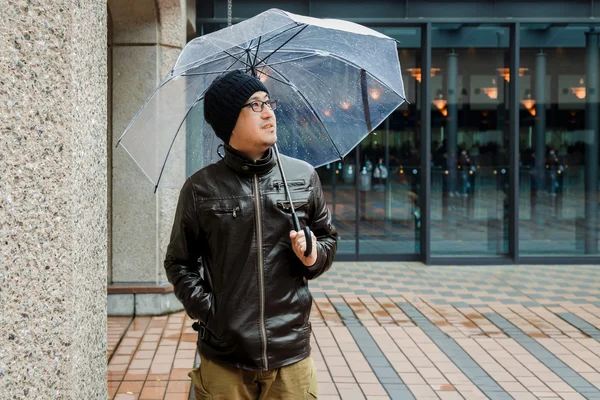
(345, 105)
(491, 92)
(529, 103)
(416, 73)
(440, 104)
(375, 93)
(579, 91)
(505, 72)
(327, 112)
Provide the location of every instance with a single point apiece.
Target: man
(252, 302)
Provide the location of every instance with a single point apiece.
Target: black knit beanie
(224, 99)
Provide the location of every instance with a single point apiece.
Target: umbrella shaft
(287, 190)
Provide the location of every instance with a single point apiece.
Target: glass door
(469, 140)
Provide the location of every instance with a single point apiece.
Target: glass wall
(469, 140)
(375, 192)
(378, 194)
(558, 147)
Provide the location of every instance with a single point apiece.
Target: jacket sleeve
(322, 226)
(181, 261)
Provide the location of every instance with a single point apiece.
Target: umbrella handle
(307, 234)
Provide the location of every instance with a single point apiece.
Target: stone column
(53, 200)
(147, 38)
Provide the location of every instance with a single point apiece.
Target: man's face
(254, 132)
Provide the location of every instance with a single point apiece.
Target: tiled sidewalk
(405, 331)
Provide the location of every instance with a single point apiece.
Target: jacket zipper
(233, 211)
(261, 283)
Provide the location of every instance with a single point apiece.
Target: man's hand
(299, 247)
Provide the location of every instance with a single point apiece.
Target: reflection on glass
(469, 137)
(337, 180)
(389, 186)
(559, 133)
(387, 173)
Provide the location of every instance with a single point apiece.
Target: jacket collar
(244, 165)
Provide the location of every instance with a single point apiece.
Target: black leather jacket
(253, 301)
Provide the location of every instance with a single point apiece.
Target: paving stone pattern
(406, 331)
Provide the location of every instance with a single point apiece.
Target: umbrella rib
(278, 34)
(195, 63)
(371, 75)
(261, 72)
(259, 43)
(255, 55)
(175, 137)
(313, 111)
(211, 72)
(293, 59)
(277, 79)
(154, 93)
(286, 42)
(202, 62)
(232, 56)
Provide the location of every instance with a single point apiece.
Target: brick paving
(406, 331)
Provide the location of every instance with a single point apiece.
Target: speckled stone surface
(133, 200)
(134, 21)
(53, 202)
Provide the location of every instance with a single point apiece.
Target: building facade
(494, 159)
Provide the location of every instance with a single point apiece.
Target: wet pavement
(405, 331)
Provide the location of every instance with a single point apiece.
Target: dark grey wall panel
(542, 9)
(358, 9)
(411, 9)
(247, 9)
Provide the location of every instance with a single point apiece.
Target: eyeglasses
(259, 106)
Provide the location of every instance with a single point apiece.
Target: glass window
(469, 140)
(558, 146)
(387, 171)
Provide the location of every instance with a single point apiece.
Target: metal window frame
(513, 140)
(425, 192)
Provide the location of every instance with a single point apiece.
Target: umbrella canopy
(334, 81)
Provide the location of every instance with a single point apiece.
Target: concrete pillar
(540, 118)
(452, 124)
(592, 146)
(147, 38)
(53, 207)
(449, 201)
(539, 169)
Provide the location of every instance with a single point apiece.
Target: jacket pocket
(305, 300)
(233, 211)
(277, 185)
(298, 204)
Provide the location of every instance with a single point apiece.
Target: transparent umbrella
(334, 81)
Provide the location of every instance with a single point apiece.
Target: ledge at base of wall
(141, 299)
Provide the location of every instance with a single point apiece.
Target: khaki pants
(218, 382)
